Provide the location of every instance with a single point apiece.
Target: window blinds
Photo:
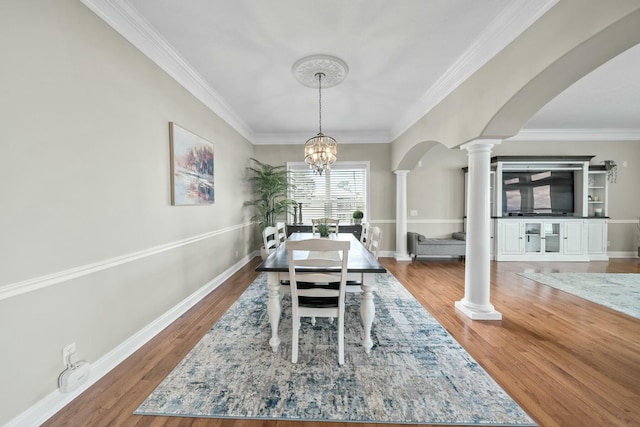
(334, 194)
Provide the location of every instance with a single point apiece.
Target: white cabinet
(573, 238)
(526, 234)
(597, 194)
(597, 240)
(511, 240)
(541, 240)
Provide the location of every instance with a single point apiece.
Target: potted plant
(323, 228)
(357, 216)
(269, 185)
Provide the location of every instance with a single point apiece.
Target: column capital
(401, 172)
(480, 145)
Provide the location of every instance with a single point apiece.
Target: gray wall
(84, 165)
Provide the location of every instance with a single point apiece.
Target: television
(540, 192)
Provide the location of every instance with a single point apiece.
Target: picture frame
(192, 168)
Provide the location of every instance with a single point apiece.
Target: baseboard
(623, 254)
(55, 401)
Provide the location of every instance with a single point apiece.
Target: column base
(402, 257)
(476, 314)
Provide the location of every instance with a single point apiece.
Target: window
(334, 194)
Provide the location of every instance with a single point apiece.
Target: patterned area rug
(618, 291)
(415, 373)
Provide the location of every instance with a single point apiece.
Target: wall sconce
(612, 170)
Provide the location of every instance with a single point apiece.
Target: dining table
(362, 267)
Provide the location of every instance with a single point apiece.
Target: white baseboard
(623, 254)
(55, 401)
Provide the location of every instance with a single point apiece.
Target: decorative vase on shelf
(300, 213)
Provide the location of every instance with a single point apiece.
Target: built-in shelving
(597, 194)
(580, 236)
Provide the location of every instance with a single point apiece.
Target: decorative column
(477, 285)
(401, 216)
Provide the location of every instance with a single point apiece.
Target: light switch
(413, 213)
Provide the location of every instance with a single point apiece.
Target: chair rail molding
(29, 285)
(55, 401)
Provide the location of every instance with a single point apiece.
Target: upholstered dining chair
(306, 257)
(333, 224)
(375, 236)
(282, 231)
(270, 239)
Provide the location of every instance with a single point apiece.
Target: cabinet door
(532, 237)
(511, 238)
(597, 237)
(552, 237)
(573, 238)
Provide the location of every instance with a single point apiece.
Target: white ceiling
(403, 56)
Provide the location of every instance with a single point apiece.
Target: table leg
(274, 308)
(367, 308)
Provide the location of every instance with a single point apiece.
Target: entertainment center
(547, 208)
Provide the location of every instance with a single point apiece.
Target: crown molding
(130, 24)
(505, 28)
(576, 135)
(342, 138)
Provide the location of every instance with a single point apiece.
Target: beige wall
(436, 189)
(572, 39)
(624, 205)
(382, 183)
(84, 165)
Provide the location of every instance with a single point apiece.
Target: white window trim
(346, 165)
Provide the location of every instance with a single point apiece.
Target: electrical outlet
(68, 351)
(236, 254)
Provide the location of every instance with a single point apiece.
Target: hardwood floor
(566, 361)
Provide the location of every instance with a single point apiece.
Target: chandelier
(320, 151)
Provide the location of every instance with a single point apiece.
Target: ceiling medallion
(335, 70)
(320, 151)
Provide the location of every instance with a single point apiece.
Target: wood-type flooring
(565, 360)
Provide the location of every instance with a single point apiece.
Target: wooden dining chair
(282, 231)
(375, 236)
(270, 239)
(306, 257)
(364, 235)
(333, 224)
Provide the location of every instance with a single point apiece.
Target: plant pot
(357, 220)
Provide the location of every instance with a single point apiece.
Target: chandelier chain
(320, 75)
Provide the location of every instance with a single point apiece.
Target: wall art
(191, 168)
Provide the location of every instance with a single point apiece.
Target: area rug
(618, 291)
(415, 373)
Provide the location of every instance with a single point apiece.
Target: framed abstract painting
(191, 168)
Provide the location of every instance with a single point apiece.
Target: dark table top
(360, 259)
